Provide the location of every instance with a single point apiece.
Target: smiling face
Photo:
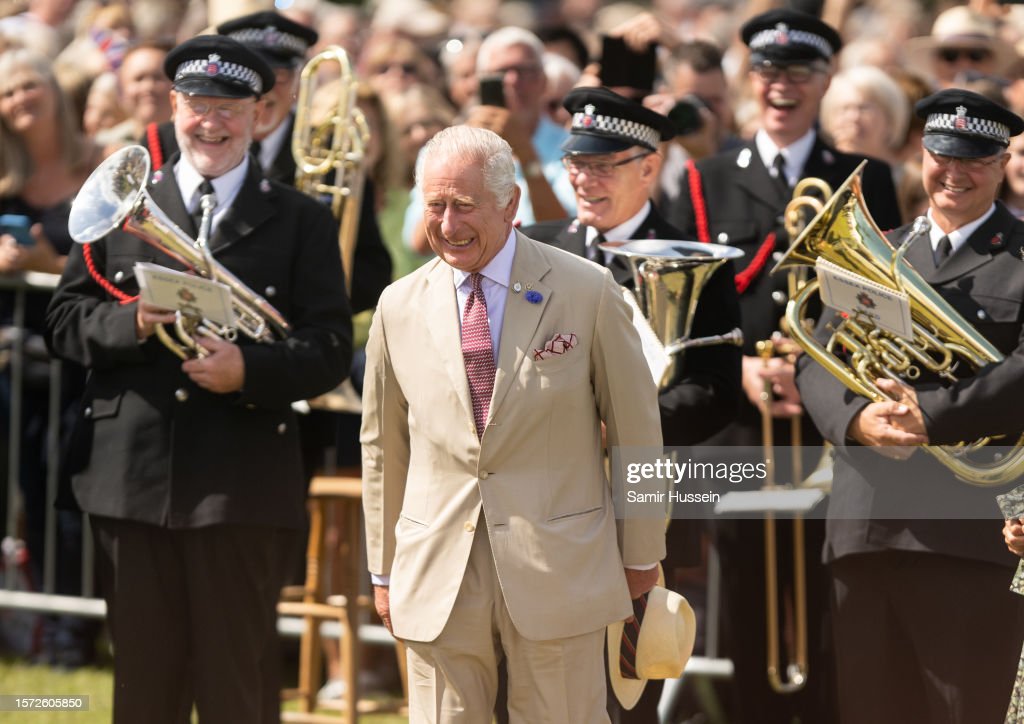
(958, 193)
(26, 99)
(277, 102)
(789, 99)
(465, 225)
(144, 87)
(214, 141)
(605, 201)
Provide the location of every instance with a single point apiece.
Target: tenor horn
(115, 197)
(844, 233)
(668, 278)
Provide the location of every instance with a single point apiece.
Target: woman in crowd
(44, 160)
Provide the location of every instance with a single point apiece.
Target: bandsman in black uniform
(924, 617)
(738, 197)
(613, 160)
(191, 471)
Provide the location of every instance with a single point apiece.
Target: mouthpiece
(921, 226)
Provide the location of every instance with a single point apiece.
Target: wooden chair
(311, 603)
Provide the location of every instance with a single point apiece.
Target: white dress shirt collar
(225, 187)
(957, 237)
(795, 154)
(271, 145)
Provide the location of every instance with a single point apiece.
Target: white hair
(507, 37)
(476, 146)
(879, 87)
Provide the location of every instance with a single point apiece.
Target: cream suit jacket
(538, 473)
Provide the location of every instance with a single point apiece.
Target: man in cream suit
(490, 528)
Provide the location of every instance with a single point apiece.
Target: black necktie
(594, 253)
(204, 189)
(254, 148)
(779, 164)
(942, 251)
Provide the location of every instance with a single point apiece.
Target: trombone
(792, 677)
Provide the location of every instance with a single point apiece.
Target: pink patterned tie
(478, 353)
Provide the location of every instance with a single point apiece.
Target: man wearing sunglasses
(737, 197)
(613, 160)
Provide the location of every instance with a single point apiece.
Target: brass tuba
(844, 233)
(669, 277)
(115, 197)
(329, 146)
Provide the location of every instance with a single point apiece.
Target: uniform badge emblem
(270, 36)
(960, 123)
(781, 34)
(743, 160)
(588, 115)
(213, 64)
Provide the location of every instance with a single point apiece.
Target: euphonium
(115, 197)
(844, 233)
(329, 146)
(668, 278)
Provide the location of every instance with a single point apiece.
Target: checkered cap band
(642, 134)
(774, 36)
(213, 67)
(954, 123)
(270, 38)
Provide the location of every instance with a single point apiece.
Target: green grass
(18, 677)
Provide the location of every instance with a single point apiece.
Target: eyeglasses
(952, 55)
(224, 111)
(798, 73)
(597, 169)
(967, 164)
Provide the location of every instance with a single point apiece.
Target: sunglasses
(952, 55)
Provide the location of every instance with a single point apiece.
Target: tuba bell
(844, 233)
(115, 197)
(669, 277)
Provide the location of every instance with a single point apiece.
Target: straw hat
(668, 629)
(960, 27)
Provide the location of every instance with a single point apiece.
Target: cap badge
(781, 34)
(213, 64)
(270, 35)
(960, 123)
(588, 115)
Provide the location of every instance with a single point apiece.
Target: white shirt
(271, 145)
(957, 237)
(795, 154)
(622, 232)
(225, 187)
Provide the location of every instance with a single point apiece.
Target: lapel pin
(265, 186)
(997, 242)
(574, 226)
(827, 156)
(534, 297)
(743, 160)
(516, 288)
(158, 176)
(1020, 253)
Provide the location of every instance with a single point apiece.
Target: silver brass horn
(669, 277)
(115, 197)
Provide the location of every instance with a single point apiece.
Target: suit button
(282, 428)
(181, 394)
(981, 314)
(270, 291)
(723, 238)
(484, 474)
(87, 412)
(118, 276)
(779, 297)
(777, 256)
(469, 527)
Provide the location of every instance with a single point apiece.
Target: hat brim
(920, 51)
(213, 88)
(961, 146)
(627, 691)
(590, 143)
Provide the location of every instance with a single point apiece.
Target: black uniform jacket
(152, 446)
(706, 397)
(984, 282)
(371, 263)
(744, 204)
